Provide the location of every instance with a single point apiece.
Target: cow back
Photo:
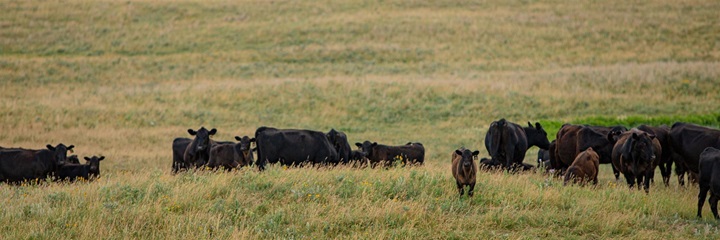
(690, 140)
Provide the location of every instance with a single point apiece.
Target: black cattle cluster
(634, 153)
(19, 165)
(289, 147)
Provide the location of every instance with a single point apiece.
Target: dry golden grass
(123, 79)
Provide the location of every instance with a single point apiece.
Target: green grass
(123, 78)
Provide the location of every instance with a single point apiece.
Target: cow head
(340, 143)
(366, 147)
(73, 159)
(60, 152)
(466, 162)
(639, 147)
(94, 163)
(537, 136)
(615, 133)
(245, 147)
(202, 138)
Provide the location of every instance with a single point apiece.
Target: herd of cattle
(19, 165)
(575, 154)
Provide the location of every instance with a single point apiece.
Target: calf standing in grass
(584, 168)
(230, 156)
(464, 169)
(709, 179)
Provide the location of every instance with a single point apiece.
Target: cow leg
(701, 198)
(616, 172)
(472, 189)
(630, 179)
(460, 188)
(666, 172)
(713, 201)
(646, 183)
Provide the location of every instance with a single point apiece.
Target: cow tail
(260, 158)
(497, 133)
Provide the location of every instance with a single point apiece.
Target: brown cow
(464, 169)
(584, 168)
(634, 155)
(377, 153)
(573, 139)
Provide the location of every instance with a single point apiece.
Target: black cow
(665, 161)
(573, 139)
(94, 165)
(507, 142)
(634, 155)
(230, 156)
(192, 152)
(543, 158)
(357, 158)
(689, 140)
(709, 167)
(378, 153)
(293, 147)
(72, 171)
(341, 144)
(490, 164)
(17, 165)
(73, 159)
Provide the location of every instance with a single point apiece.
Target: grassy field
(124, 78)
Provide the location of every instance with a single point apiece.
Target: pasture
(124, 78)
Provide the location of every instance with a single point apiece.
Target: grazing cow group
(576, 154)
(19, 165)
(288, 147)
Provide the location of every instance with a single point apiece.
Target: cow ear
(538, 126)
(70, 147)
(530, 125)
(213, 131)
(458, 152)
(238, 138)
(50, 147)
(252, 140)
(87, 158)
(635, 136)
(374, 144)
(192, 132)
(475, 153)
(101, 158)
(358, 144)
(652, 136)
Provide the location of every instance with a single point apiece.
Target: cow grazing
(573, 139)
(689, 140)
(357, 158)
(709, 167)
(18, 165)
(665, 161)
(634, 155)
(341, 144)
(584, 168)
(293, 147)
(192, 153)
(543, 158)
(72, 171)
(490, 164)
(507, 142)
(378, 153)
(230, 156)
(464, 169)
